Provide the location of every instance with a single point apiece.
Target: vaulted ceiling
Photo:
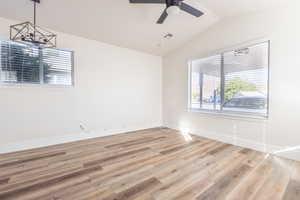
(129, 25)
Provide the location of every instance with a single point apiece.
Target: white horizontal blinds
(206, 83)
(246, 79)
(30, 64)
(57, 67)
(19, 63)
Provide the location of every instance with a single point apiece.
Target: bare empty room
(149, 100)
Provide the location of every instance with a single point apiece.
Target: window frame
(230, 113)
(21, 85)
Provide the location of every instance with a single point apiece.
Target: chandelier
(30, 33)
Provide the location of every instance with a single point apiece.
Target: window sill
(229, 114)
(32, 85)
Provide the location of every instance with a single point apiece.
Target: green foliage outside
(25, 63)
(237, 85)
(195, 96)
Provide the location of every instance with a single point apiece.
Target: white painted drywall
(116, 90)
(282, 130)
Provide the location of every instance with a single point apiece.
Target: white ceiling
(129, 25)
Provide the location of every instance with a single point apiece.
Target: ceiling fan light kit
(173, 10)
(30, 33)
(172, 7)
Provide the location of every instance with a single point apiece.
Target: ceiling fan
(172, 7)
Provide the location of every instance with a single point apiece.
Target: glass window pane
(57, 67)
(246, 79)
(21, 64)
(195, 90)
(206, 81)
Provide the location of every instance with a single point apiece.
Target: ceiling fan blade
(148, 1)
(189, 9)
(162, 18)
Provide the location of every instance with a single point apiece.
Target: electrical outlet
(83, 128)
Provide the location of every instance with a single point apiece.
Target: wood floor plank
(4, 181)
(152, 164)
(33, 187)
(221, 188)
(276, 183)
(253, 182)
(293, 189)
(136, 190)
(102, 160)
(32, 158)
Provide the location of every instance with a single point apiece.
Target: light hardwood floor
(156, 164)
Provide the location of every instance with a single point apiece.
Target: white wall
(282, 130)
(116, 90)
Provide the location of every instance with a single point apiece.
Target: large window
(23, 64)
(232, 82)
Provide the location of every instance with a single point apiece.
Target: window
(232, 82)
(24, 64)
(206, 80)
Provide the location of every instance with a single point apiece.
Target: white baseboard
(286, 152)
(43, 142)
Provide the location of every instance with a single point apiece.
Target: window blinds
(23, 64)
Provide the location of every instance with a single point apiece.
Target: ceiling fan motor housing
(172, 7)
(173, 2)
